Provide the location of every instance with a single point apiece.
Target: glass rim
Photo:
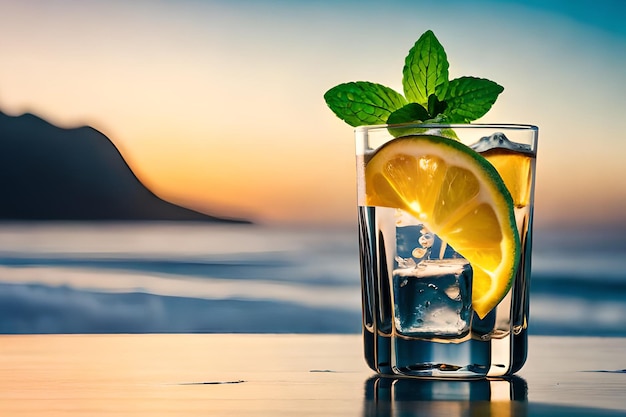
(508, 126)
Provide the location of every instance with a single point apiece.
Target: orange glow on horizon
(208, 119)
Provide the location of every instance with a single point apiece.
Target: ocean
(196, 277)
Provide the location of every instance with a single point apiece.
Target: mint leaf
(363, 103)
(425, 70)
(469, 98)
(412, 112)
(436, 107)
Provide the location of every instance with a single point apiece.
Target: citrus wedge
(515, 170)
(458, 195)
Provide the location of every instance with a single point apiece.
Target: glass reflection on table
(389, 396)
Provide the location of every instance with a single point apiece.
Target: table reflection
(388, 396)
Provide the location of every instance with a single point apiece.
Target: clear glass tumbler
(417, 311)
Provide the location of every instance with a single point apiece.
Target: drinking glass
(402, 332)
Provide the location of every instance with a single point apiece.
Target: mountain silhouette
(51, 173)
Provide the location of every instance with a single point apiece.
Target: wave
(250, 269)
(27, 308)
(37, 308)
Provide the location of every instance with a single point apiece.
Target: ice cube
(499, 140)
(433, 299)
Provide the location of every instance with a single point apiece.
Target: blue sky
(217, 105)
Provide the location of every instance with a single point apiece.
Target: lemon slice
(514, 168)
(457, 195)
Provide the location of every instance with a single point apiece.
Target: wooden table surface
(290, 375)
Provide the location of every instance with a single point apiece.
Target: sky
(218, 105)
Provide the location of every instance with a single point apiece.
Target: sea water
(194, 277)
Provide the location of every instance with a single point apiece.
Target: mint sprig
(429, 95)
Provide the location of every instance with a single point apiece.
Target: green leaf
(436, 107)
(363, 103)
(412, 112)
(425, 70)
(469, 98)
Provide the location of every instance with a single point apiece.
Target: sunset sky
(218, 105)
